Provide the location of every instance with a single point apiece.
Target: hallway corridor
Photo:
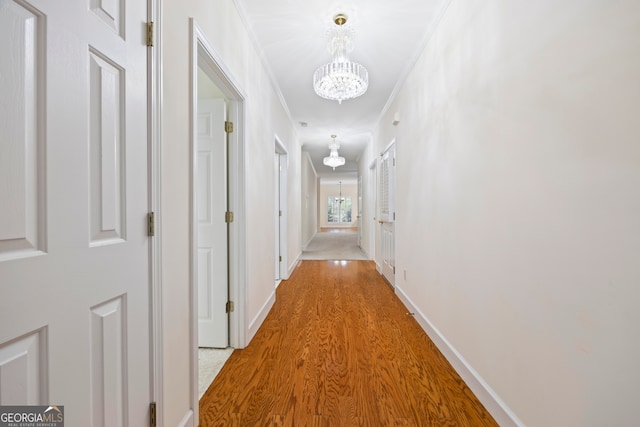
(338, 349)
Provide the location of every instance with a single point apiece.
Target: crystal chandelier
(333, 160)
(341, 79)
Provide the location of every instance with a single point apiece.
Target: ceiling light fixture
(333, 160)
(340, 79)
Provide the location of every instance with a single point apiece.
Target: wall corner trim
(498, 409)
(293, 265)
(262, 314)
(187, 420)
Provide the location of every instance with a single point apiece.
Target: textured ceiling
(292, 36)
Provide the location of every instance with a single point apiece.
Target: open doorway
(280, 212)
(211, 229)
(217, 223)
(372, 212)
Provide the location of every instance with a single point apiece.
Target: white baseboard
(262, 314)
(187, 420)
(491, 401)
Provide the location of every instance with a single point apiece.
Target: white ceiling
(293, 35)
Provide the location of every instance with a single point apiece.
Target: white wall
(369, 199)
(309, 200)
(348, 190)
(265, 118)
(294, 191)
(518, 208)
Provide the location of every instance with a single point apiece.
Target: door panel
(211, 202)
(108, 340)
(22, 193)
(74, 252)
(106, 161)
(23, 379)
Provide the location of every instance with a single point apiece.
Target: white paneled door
(388, 212)
(74, 249)
(211, 202)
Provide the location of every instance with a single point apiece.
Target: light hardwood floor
(338, 349)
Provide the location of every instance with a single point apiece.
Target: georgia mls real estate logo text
(31, 416)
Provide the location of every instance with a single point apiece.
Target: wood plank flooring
(338, 349)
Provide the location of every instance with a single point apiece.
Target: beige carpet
(210, 361)
(334, 244)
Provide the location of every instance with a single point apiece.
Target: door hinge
(228, 217)
(280, 258)
(152, 414)
(151, 224)
(279, 213)
(230, 307)
(150, 33)
(394, 216)
(228, 127)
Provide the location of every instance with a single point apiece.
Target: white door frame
(202, 53)
(284, 165)
(154, 87)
